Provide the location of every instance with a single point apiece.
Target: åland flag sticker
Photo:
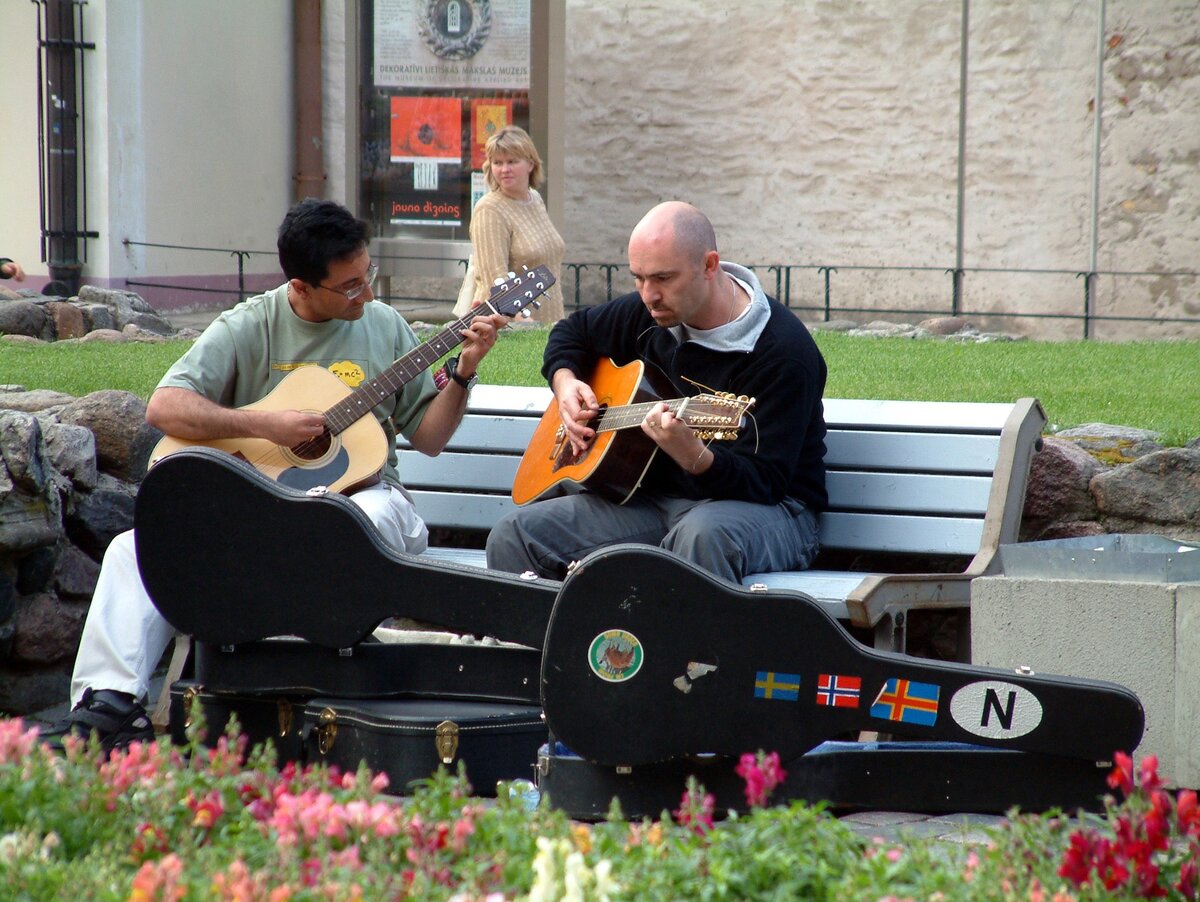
(907, 702)
(838, 690)
(779, 686)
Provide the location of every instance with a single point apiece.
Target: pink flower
(16, 743)
(696, 808)
(762, 774)
(1148, 773)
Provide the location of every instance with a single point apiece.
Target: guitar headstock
(519, 294)
(716, 416)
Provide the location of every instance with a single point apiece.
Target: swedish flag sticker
(782, 686)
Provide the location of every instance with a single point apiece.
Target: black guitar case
(649, 658)
(298, 669)
(931, 777)
(260, 715)
(409, 739)
(229, 556)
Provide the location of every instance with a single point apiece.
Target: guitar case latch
(191, 695)
(326, 730)
(446, 741)
(284, 710)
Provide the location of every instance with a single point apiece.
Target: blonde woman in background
(509, 226)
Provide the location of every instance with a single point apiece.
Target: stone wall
(827, 133)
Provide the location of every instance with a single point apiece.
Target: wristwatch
(466, 382)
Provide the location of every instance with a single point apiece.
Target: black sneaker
(115, 717)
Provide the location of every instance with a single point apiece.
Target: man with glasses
(322, 315)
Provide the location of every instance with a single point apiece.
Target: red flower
(1148, 773)
(1122, 775)
(1188, 812)
(1188, 876)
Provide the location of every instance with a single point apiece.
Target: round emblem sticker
(615, 656)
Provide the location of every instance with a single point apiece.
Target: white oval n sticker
(995, 709)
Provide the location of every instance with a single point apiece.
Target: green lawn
(1150, 385)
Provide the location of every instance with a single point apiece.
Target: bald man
(733, 508)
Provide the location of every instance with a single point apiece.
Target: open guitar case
(649, 669)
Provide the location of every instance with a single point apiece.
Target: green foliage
(1142, 384)
(168, 822)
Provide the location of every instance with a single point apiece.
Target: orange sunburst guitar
(353, 448)
(619, 456)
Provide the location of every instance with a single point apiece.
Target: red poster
(488, 116)
(426, 130)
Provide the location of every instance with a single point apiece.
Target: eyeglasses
(353, 294)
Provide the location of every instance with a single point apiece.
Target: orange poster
(488, 116)
(426, 130)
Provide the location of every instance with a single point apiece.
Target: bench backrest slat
(903, 476)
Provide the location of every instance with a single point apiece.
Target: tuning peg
(512, 275)
(526, 312)
(499, 280)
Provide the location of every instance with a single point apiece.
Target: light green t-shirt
(249, 350)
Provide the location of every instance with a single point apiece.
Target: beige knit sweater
(507, 234)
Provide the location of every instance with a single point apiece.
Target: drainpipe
(62, 132)
(309, 180)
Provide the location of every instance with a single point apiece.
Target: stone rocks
(1058, 503)
(119, 315)
(1161, 487)
(21, 317)
(69, 469)
(1080, 485)
(117, 419)
(1113, 444)
(946, 328)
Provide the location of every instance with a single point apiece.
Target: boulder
(97, 316)
(97, 516)
(67, 319)
(124, 305)
(1113, 444)
(118, 421)
(1057, 492)
(24, 690)
(47, 629)
(103, 335)
(1160, 487)
(21, 447)
(945, 325)
(25, 318)
(71, 451)
(36, 570)
(75, 573)
(33, 401)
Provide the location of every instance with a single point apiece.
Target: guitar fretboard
(613, 418)
(359, 402)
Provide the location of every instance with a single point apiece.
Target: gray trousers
(728, 538)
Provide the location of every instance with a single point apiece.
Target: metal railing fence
(586, 283)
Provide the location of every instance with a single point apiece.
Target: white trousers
(125, 637)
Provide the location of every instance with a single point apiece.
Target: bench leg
(162, 709)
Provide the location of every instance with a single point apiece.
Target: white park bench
(910, 482)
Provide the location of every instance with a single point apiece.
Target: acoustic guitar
(353, 448)
(616, 461)
(648, 657)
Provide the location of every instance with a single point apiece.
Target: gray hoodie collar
(742, 333)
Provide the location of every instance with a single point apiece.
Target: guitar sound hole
(314, 448)
(567, 457)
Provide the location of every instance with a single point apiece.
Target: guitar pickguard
(326, 472)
